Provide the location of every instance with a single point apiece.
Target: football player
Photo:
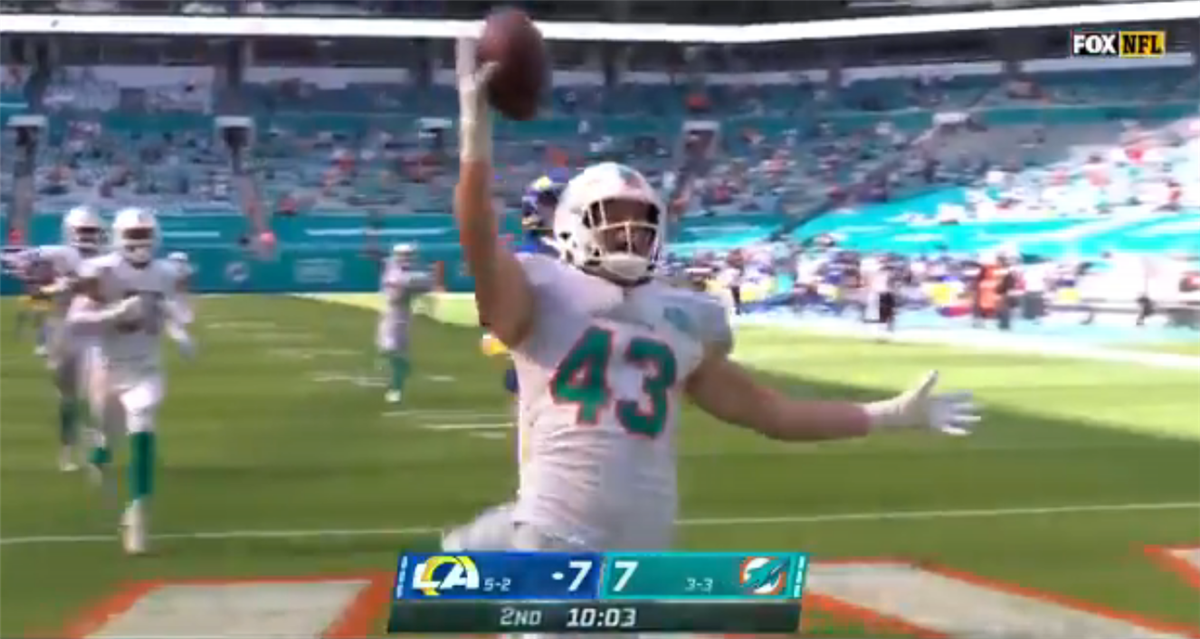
(400, 286)
(54, 281)
(36, 304)
(606, 354)
(123, 305)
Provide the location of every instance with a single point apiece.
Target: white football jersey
(137, 344)
(601, 379)
(400, 285)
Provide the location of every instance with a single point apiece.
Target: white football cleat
(133, 528)
(39, 350)
(66, 459)
(392, 397)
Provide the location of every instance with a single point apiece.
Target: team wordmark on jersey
(679, 318)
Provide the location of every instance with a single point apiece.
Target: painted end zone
(940, 602)
(1182, 560)
(330, 607)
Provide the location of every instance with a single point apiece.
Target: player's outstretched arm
(503, 295)
(88, 314)
(89, 311)
(727, 391)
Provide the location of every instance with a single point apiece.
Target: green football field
(280, 460)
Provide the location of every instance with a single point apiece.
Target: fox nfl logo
(1119, 44)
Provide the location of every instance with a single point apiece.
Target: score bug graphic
(763, 576)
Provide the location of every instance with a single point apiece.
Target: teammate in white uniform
(124, 305)
(400, 286)
(83, 238)
(605, 355)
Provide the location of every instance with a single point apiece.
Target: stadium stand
(904, 157)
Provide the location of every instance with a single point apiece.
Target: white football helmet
(403, 253)
(611, 222)
(135, 234)
(83, 228)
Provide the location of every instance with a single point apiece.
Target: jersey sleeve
(713, 325)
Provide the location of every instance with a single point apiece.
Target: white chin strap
(626, 266)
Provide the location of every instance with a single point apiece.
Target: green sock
(100, 456)
(399, 365)
(68, 410)
(141, 465)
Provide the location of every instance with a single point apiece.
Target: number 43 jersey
(601, 378)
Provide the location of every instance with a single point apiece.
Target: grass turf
(280, 426)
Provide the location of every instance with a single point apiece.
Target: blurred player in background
(605, 353)
(54, 274)
(401, 284)
(123, 305)
(36, 304)
(537, 210)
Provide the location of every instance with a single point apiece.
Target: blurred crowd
(999, 287)
(785, 148)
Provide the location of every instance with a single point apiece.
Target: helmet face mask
(402, 254)
(610, 224)
(135, 233)
(83, 228)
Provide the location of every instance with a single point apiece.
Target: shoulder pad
(540, 268)
(706, 318)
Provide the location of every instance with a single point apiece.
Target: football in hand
(514, 44)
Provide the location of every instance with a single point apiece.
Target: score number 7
(581, 567)
(625, 569)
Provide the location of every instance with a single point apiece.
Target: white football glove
(474, 114)
(919, 407)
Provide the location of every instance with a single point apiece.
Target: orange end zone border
(357, 620)
(1165, 556)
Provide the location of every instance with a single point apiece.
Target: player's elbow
(507, 325)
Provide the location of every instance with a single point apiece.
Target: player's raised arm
(727, 391)
(503, 296)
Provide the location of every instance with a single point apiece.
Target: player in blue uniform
(537, 214)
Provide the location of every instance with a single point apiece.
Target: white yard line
(697, 522)
(991, 342)
(446, 414)
(478, 426)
